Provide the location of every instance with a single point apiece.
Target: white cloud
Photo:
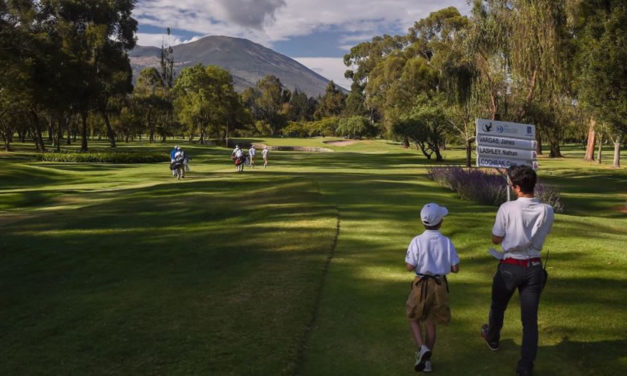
(147, 39)
(332, 68)
(266, 21)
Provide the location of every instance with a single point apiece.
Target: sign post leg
(507, 183)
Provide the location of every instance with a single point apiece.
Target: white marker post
(502, 144)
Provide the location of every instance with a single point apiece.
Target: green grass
(120, 269)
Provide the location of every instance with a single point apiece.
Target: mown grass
(108, 269)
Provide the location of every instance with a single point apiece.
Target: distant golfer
(431, 256)
(521, 226)
(238, 156)
(173, 152)
(251, 155)
(264, 154)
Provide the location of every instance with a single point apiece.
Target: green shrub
(324, 127)
(104, 157)
(295, 129)
(263, 128)
(355, 127)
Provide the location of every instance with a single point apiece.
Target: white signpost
(502, 144)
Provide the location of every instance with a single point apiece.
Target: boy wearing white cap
(431, 256)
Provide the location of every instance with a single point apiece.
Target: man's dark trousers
(529, 281)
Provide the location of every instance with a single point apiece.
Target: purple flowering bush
(486, 188)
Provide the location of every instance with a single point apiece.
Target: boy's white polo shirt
(524, 223)
(431, 253)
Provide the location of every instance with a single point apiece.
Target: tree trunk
(7, 138)
(110, 132)
(84, 131)
(617, 153)
(51, 131)
(69, 131)
(438, 156)
(600, 150)
(493, 107)
(554, 149)
(538, 143)
(61, 122)
(468, 152)
(39, 142)
(591, 141)
(422, 148)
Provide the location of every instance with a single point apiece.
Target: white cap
(432, 214)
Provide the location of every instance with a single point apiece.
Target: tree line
(558, 64)
(65, 73)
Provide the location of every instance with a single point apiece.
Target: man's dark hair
(523, 176)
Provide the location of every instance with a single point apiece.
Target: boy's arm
(497, 239)
(410, 267)
(455, 268)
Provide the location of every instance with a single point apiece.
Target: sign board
(506, 129)
(507, 153)
(504, 162)
(502, 144)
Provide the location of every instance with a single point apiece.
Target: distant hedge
(104, 157)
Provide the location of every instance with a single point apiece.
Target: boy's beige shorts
(433, 305)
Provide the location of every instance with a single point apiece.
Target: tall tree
(270, 102)
(207, 102)
(152, 97)
(332, 103)
(70, 48)
(602, 53)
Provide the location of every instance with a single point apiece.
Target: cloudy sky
(316, 33)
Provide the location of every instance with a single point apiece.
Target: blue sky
(315, 33)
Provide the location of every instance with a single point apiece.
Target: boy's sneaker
(494, 345)
(427, 366)
(421, 357)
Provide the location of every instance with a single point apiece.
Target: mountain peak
(248, 62)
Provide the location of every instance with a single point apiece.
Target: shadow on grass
(192, 279)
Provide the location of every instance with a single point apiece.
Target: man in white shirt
(251, 154)
(521, 226)
(264, 154)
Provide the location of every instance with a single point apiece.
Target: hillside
(248, 62)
